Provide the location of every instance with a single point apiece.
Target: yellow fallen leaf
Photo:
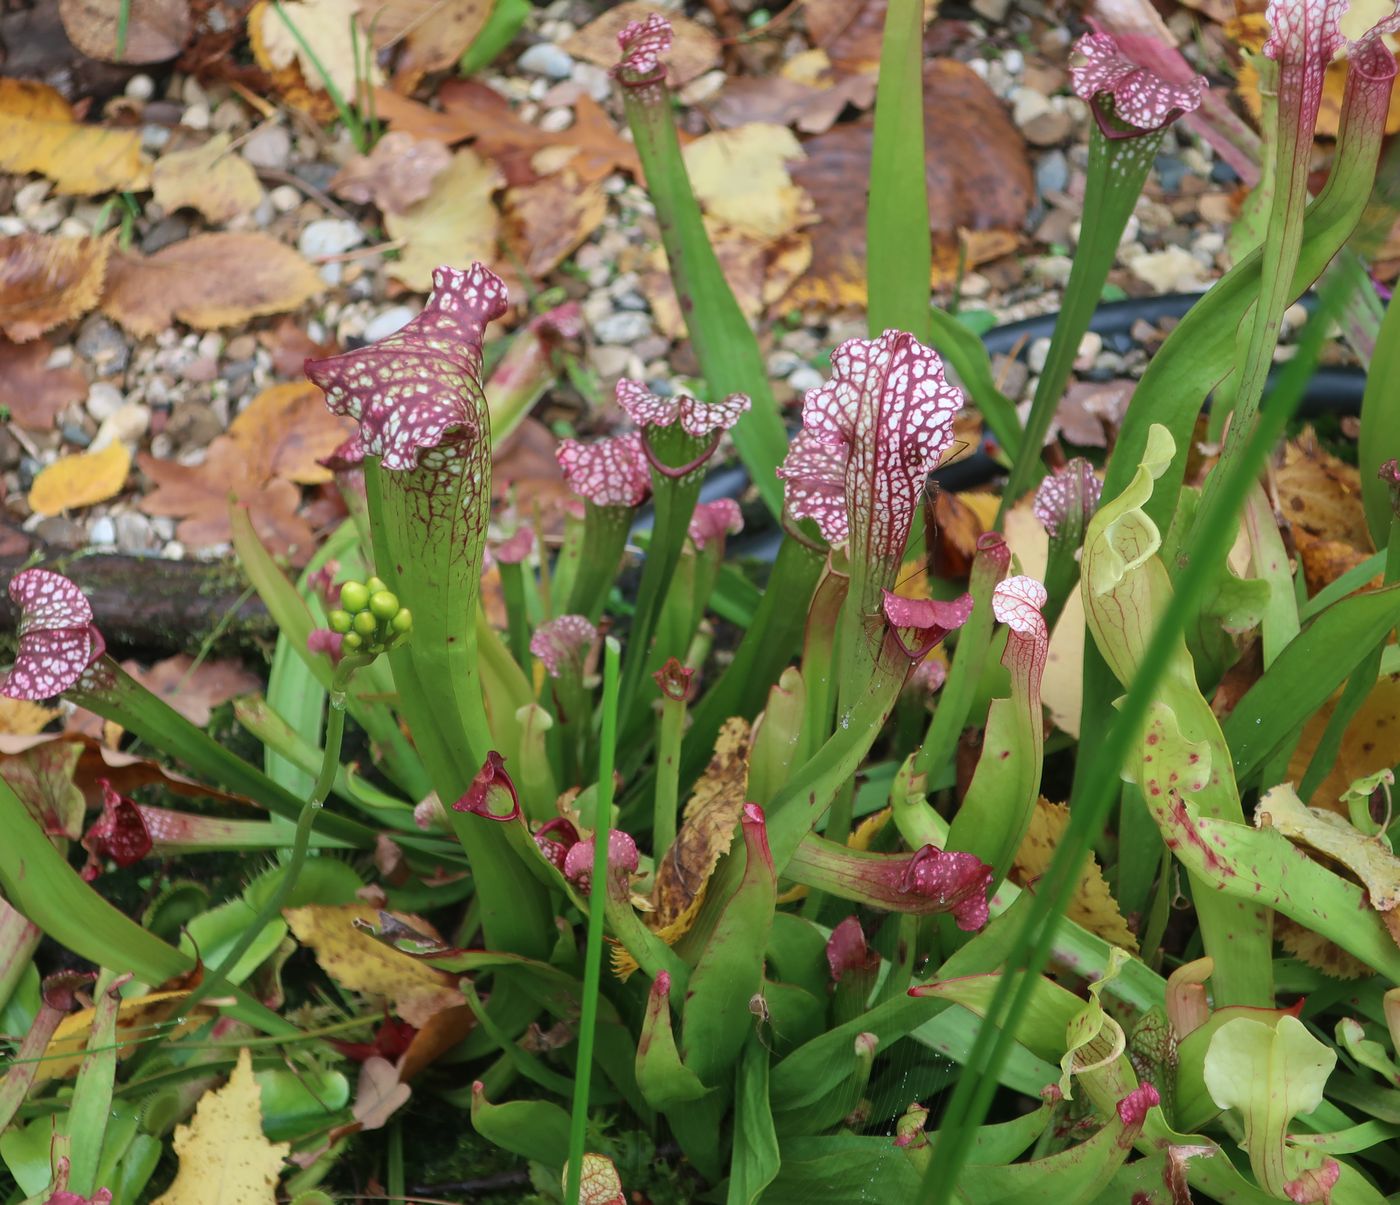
(1368, 744)
(455, 224)
(432, 34)
(548, 218)
(1093, 905)
(286, 431)
(209, 178)
(48, 280)
(208, 281)
(740, 177)
(19, 717)
(358, 962)
(38, 134)
(322, 43)
(141, 1019)
(224, 1158)
(80, 480)
(287, 81)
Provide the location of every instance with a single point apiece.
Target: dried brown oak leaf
(156, 30)
(286, 431)
(430, 34)
(1092, 904)
(979, 185)
(200, 496)
(38, 134)
(694, 50)
(34, 392)
(194, 693)
(850, 31)
(209, 178)
(812, 108)
(704, 837)
(546, 221)
(208, 281)
(46, 280)
(396, 175)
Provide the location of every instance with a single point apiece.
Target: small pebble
(805, 378)
(103, 531)
(284, 198)
(556, 121)
(269, 146)
(154, 137)
(624, 326)
(102, 344)
(128, 424)
(140, 87)
(386, 322)
(196, 117)
(1037, 354)
(103, 400)
(134, 532)
(329, 236)
(166, 231)
(782, 363)
(547, 59)
(595, 81)
(1090, 348)
(1052, 173)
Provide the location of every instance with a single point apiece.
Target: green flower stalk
(424, 438)
(1132, 107)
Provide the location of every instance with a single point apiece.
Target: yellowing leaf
(142, 1019)
(287, 430)
(76, 481)
(1093, 905)
(224, 1158)
(38, 134)
(1368, 744)
(358, 962)
(455, 224)
(45, 281)
(210, 179)
(208, 281)
(324, 27)
(740, 177)
(433, 33)
(19, 717)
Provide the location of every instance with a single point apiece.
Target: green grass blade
(1380, 424)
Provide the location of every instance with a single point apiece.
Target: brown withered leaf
(547, 220)
(396, 175)
(1321, 493)
(287, 79)
(850, 31)
(156, 30)
(1092, 905)
(208, 281)
(979, 185)
(759, 271)
(1368, 744)
(46, 280)
(694, 51)
(287, 430)
(525, 467)
(194, 692)
(708, 828)
(812, 108)
(361, 963)
(34, 392)
(209, 178)
(432, 34)
(200, 497)
(290, 347)
(1317, 951)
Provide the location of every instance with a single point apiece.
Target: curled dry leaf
(209, 179)
(286, 431)
(286, 80)
(379, 1094)
(223, 1146)
(360, 963)
(47, 280)
(979, 185)
(194, 692)
(84, 478)
(850, 31)
(812, 107)
(1092, 904)
(431, 34)
(547, 220)
(156, 30)
(456, 223)
(139, 1020)
(79, 159)
(322, 42)
(741, 178)
(200, 495)
(34, 392)
(694, 49)
(208, 281)
(396, 175)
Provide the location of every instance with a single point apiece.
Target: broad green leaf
(533, 1129)
(1269, 1074)
(755, 1161)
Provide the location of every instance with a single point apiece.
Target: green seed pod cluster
(370, 618)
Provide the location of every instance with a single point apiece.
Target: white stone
(556, 121)
(703, 88)
(1172, 270)
(1037, 354)
(103, 531)
(103, 400)
(547, 59)
(806, 377)
(594, 80)
(284, 198)
(125, 425)
(386, 322)
(1090, 348)
(196, 117)
(268, 146)
(1027, 104)
(140, 87)
(624, 326)
(1294, 317)
(329, 236)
